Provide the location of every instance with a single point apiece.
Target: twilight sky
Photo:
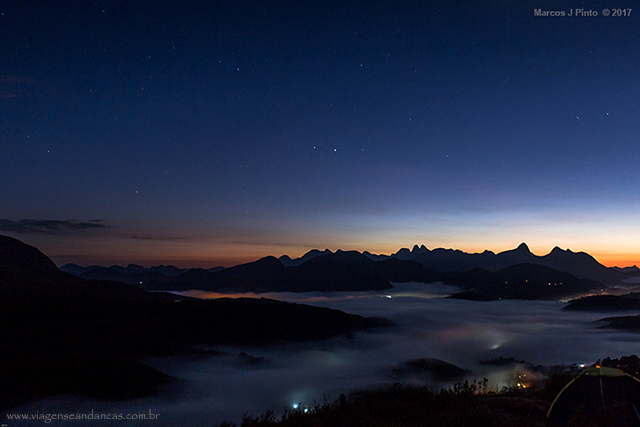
(215, 133)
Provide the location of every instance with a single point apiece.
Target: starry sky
(214, 133)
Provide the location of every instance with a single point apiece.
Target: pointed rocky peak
(521, 254)
(556, 250)
(419, 249)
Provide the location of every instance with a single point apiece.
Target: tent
(598, 397)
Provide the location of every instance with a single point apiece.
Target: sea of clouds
(228, 386)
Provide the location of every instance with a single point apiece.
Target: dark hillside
(64, 335)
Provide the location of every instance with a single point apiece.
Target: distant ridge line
(325, 270)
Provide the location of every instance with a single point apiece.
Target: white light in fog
(295, 406)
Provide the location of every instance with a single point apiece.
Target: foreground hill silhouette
(65, 335)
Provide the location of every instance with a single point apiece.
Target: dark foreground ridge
(65, 335)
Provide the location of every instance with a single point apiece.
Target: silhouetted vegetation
(464, 404)
(628, 364)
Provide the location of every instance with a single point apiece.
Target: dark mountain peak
(268, 261)
(74, 269)
(240, 278)
(416, 250)
(135, 267)
(266, 265)
(581, 265)
(340, 256)
(288, 262)
(522, 252)
(403, 253)
(316, 252)
(559, 251)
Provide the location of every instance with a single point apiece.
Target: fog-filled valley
(248, 380)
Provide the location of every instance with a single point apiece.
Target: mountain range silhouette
(354, 271)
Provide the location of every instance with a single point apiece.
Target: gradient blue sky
(214, 133)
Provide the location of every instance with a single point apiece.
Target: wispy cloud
(49, 226)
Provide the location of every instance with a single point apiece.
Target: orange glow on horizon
(203, 253)
(233, 258)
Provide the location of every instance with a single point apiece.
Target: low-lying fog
(223, 388)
